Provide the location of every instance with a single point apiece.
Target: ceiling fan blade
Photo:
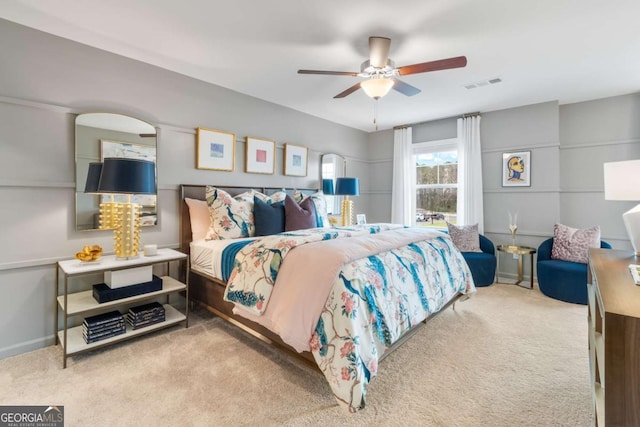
(405, 88)
(330, 73)
(379, 51)
(349, 91)
(442, 64)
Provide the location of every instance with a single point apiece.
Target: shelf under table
(76, 343)
(83, 302)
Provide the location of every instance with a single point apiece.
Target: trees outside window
(436, 165)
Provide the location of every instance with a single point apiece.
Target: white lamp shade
(377, 88)
(622, 180)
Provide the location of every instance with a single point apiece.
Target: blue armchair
(562, 280)
(482, 264)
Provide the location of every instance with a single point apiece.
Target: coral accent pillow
(299, 216)
(572, 244)
(199, 216)
(230, 217)
(466, 237)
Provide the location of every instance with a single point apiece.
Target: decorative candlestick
(513, 227)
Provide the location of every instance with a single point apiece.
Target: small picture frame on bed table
(361, 219)
(215, 150)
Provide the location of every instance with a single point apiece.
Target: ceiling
(542, 50)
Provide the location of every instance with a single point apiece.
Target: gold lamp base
(107, 214)
(126, 233)
(347, 212)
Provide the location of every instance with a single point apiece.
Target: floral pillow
(278, 196)
(466, 237)
(230, 217)
(572, 244)
(322, 219)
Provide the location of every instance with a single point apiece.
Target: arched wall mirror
(100, 135)
(332, 166)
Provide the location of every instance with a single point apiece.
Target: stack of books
(145, 315)
(103, 326)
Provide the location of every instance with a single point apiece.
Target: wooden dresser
(614, 337)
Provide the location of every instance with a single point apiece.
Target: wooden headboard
(197, 191)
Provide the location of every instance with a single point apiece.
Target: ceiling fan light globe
(377, 88)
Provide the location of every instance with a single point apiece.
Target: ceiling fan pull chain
(375, 113)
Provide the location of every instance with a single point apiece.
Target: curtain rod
(464, 116)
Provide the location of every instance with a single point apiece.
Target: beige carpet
(508, 356)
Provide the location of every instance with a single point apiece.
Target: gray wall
(45, 82)
(568, 145)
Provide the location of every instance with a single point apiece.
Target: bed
(341, 301)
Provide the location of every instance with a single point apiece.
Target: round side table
(516, 250)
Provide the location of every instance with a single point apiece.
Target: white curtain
(402, 198)
(470, 207)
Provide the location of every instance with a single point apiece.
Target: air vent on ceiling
(483, 83)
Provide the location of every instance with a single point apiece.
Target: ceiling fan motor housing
(368, 70)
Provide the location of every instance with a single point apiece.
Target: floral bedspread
(374, 300)
(377, 299)
(256, 266)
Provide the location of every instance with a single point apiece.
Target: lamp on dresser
(91, 187)
(622, 182)
(327, 187)
(128, 177)
(347, 186)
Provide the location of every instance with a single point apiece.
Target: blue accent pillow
(268, 217)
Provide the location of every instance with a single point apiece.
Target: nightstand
(519, 251)
(83, 302)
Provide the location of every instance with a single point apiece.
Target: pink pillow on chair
(572, 244)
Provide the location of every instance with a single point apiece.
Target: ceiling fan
(381, 72)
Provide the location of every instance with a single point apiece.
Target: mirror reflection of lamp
(91, 187)
(327, 187)
(347, 186)
(128, 177)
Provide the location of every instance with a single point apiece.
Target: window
(436, 182)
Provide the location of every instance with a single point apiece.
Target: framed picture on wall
(215, 150)
(295, 160)
(260, 155)
(516, 169)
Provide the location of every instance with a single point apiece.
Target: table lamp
(327, 187)
(91, 187)
(622, 182)
(127, 176)
(346, 187)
